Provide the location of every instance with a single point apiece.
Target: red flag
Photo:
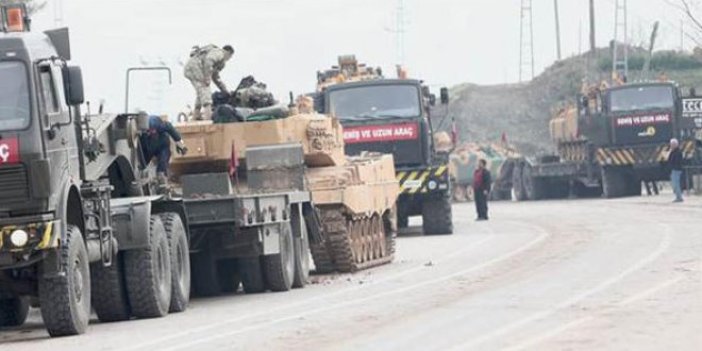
(233, 161)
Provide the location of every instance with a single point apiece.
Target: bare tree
(689, 9)
(33, 6)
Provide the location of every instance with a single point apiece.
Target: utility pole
(400, 32)
(620, 61)
(558, 29)
(526, 41)
(593, 47)
(58, 13)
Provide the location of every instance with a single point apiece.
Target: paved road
(566, 275)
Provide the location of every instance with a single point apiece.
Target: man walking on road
(202, 69)
(481, 189)
(675, 162)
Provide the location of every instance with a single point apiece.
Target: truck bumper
(423, 181)
(24, 241)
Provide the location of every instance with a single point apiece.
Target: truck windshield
(642, 98)
(14, 96)
(374, 102)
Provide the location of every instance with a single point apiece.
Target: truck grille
(13, 183)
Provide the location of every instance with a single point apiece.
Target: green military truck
(78, 226)
(392, 116)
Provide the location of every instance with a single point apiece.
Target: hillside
(522, 111)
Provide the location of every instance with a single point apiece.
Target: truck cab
(393, 116)
(72, 210)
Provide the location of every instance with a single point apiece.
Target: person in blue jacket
(156, 144)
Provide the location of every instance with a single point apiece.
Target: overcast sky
(284, 42)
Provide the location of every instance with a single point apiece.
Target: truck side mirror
(432, 100)
(73, 85)
(444, 96)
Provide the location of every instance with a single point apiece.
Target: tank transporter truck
(79, 229)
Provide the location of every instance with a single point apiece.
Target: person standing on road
(481, 190)
(675, 162)
(202, 69)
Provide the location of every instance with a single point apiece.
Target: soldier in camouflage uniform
(203, 68)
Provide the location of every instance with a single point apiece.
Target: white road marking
(193, 342)
(635, 298)
(463, 251)
(662, 247)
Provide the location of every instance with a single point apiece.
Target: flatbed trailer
(254, 234)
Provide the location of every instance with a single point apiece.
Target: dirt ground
(552, 275)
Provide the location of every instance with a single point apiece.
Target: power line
(526, 40)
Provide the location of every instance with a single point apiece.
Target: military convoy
(392, 116)
(261, 194)
(609, 142)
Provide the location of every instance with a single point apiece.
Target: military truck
(609, 141)
(392, 116)
(78, 226)
(264, 194)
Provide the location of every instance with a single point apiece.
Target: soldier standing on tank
(482, 182)
(202, 69)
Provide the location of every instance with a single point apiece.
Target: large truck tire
(613, 183)
(251, 275)
(13, 311)
(148, 274)
(279, 269)
(109, 291)
(65, 298)
(205, 278)
(402, 221)
(302, 258)
(228, 276)
(437, 218)
(180, 261)
(534, 188)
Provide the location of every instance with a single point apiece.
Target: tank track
(353, 243)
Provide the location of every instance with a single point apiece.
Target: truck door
(59, 132)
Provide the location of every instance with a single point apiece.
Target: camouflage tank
(463, 161)
(354, 196)
(356, 204)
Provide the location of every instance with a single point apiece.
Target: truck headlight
(432, 185)
(19, 238)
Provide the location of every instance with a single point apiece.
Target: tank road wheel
(436, 216)
(279, 269)
(13, 311)
(389, 224)
(180, 261)
(109, 291)
(251, 275)
(367, 240)
(149, 274)
(302, 258)
(65, 298)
